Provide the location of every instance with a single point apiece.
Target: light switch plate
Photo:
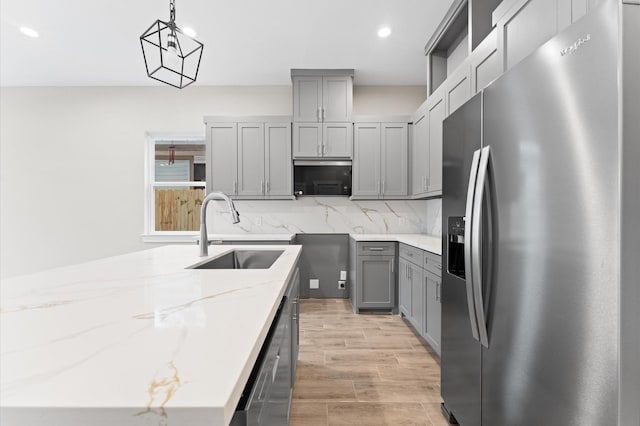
(343, 275)
(314, 283)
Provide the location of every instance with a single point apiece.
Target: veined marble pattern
(321, 215)
(134, 339)
(434, 217)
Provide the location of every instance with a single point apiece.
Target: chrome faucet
(204, 238)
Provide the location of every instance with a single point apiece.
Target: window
(175, 185)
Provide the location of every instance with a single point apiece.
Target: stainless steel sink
(241, 259)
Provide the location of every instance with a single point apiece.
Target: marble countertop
(135, 339)
(424, 242)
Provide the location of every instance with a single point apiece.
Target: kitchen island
(135, 339)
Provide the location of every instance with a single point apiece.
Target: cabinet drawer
(432, 263)
(376, 248)
(411, 254)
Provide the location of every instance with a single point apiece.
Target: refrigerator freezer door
(551, 122)
(460, 352)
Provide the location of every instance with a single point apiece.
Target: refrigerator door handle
(476, 244)
(467, 246)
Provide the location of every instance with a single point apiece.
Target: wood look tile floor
(363, 369)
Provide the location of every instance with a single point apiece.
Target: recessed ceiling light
(29, 32)
(190, 32)
(384, 32)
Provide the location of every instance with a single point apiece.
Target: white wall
(71, 160)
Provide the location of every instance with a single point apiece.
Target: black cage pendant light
(171, 56)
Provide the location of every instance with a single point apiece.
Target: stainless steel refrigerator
(541, 235)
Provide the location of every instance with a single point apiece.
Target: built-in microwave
(312, 177)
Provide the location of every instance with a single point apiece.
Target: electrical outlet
(342, 285)
(314, 284)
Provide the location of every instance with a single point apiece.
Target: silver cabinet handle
(382, 192)
(268, 187)
(323, 114)
(392, 266)
(318, 115)
(323, 150)
(376, 248)
(467, 246)
(318, 150)
(437, 292)
(476, 243)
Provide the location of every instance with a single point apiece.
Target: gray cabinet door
(222, 141)
(458, 88)
(528, 24)
(307, 99)
(417, 297)
(337, 140)
(404, 288)
(436, 112)
(485, 63)
(394, 159)
(366, 162)
(420, 153)
(376, 282)
(337, 98)
(307, 140)
(278, 171)
(251, 159)
(432, 324)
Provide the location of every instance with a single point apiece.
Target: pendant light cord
(172, 12)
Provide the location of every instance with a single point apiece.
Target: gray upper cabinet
(524, 25)
(223, 157)
(250, 159)
(380, 164)
(419, 153)
(458, 88)
(307, 99)
(322, 98)
(277, 160)
(394, 160)
(337, 98)
(307, 140)
(322, 140)
(436, 113)
(337, 140)
(322, 108)
(366, 169)
(485, 63)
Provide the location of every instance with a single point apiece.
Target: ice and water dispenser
(455, 246)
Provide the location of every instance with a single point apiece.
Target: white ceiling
(246, 42)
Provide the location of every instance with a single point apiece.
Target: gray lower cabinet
(374, 278)
(411, 285)
(266, 399)
(432, 319)
(419, 285)
(380, 163)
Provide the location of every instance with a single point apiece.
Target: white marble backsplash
(434, 217)
(322, 215)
